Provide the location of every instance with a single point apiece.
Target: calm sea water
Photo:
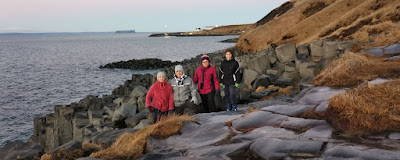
(39, 71)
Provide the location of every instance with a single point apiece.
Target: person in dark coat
(230, 78)
(207, 82)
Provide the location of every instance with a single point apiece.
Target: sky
(140, 15)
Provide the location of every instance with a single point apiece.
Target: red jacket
(163, 98)
(209, 72)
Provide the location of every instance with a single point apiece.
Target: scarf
(179, 81)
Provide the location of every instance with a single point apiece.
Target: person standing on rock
(185, 92)
(159, 98)
(230, 78)
(207, 82)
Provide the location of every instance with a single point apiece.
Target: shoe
(234, 108)
(228, 107)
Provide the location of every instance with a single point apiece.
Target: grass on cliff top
(132, 145)
(367, 109)
(353, 69)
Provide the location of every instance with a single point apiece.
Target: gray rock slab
(258, 119)
(265, 132)
(88, 158)
(394, 135)
(393, 49)
(392, 58)
(377, 51)
(153, 156)
(107, 137)
(323, 132)
(379, 81)
(322, 107)
(316, 48)
(218, 117)
(299, 123)
(143, 123)
(266, 103)
(289, 110)
(20, 150)
(219, 151)
(352, 151)
(192, 136)
(318, 94)
(270, 148)
(124, 111)
(249, 76)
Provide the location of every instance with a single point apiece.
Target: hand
(150, 109)
(237, 85)
(194, 100)
(221, 84)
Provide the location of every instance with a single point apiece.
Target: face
(205, 63)
(228, 55)
(161, 78)
(179, 74)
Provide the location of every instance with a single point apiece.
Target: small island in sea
(125, 31)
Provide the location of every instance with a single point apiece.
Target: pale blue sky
(141, 15)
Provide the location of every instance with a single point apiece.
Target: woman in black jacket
(230, 78)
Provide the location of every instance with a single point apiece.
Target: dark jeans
(158, 114)
(188, 107)
(208, 102)
(230, 95)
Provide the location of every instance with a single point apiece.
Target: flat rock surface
(258, 119)
(352, 151)
(318, 94)
(289, 110)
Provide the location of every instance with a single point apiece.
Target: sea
(39, 71)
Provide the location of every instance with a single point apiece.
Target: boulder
(139, 91)
(259, 62)
(286, 52)
(169, 155)
(290, 67)
(303, 49)
(94, 115)
(262, 94)
(258, 119)
(70, 146)
(395, 135)
(330, 49)
(325, 62)
(262, 80)
(124, 111)
(21, 150)
(249, 76)
(91, 102)
(272, 55)
(284, 82)
(271, 148)
(291, 75)
(107, 137)
(141, 103)
(308, 69)
(376, 51)
(289, 110)
(134, 120)
(316, 48)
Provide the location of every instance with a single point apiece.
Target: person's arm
(171, 100)
(195, 78)
(193, 89)
(216, 82)
(149, 96)
(221, 72)
(237, 73)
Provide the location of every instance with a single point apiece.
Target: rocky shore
(286, 126)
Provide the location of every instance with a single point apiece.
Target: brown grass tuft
(64, 155)
(367, 109)
(91, 147)
(310, 114)
(131, 146)
(353, 69)
(288, 90)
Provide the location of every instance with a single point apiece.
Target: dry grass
(367, 109)
(92, 147)
(131, 146)
(64, 155)
(310, 114)
(288, 90)
(353, 69)
(309, 20)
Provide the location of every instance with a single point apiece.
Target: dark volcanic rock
(148, 63)
(20, 150)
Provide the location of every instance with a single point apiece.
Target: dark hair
(231, 51)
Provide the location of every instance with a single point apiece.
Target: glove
(150, 109)
(194, 100)
(221, 84)
(237, 85)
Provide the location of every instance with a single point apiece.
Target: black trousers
(187, 108)
(208, 102)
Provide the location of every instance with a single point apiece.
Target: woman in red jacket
(163, 98)
(207, 82)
